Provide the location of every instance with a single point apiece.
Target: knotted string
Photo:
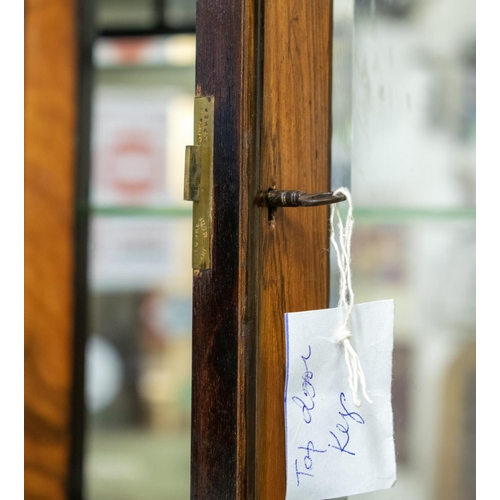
(346, 295)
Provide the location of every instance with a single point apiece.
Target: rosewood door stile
(223, 387)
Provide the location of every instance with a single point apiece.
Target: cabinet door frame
(223, 387)
(268, 66)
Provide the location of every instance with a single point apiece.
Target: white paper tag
(333, 448)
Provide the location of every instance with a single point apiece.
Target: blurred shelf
(362, 214)
(175, 212)
(403, 214)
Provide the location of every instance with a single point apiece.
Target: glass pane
(343, 15)
(414, 103)
(139, 350)
(427, 266)
(409, 138)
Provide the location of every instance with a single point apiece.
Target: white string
(346, 294)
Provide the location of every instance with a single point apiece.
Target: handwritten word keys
(344, 428)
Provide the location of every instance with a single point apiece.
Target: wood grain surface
(50, 114)
(222, 453)
(295, 154)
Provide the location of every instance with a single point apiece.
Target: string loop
(346, 294)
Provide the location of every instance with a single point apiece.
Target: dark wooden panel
(222, 412)
(295, 154)
(50, 113)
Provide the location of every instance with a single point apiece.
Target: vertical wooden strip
(295, 154)
(86, 36)
(221, 397)
(249, 239)
(50, 122)
(456, 462)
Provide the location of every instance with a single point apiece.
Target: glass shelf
(368, 214)
(116, 211)
(409, 214)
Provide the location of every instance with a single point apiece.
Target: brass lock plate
(198, 180)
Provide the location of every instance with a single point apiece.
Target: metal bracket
(198, 181)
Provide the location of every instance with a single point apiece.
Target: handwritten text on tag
(335, 449)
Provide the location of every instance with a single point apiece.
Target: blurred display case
(138, 385)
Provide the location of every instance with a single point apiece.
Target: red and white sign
(132, 167)
(129, 152)
(138, 144)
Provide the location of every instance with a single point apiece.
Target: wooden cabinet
(50, 158)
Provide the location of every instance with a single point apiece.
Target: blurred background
(138, 358)
(403, 139)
